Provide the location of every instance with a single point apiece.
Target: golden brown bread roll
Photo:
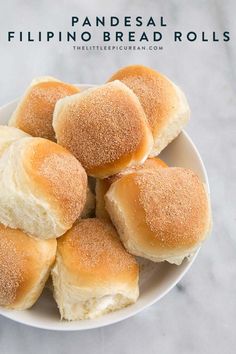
(164, 103)
(25, 264)
(35, 110)
(160, 214)
(93, 273)
(105, 128)
(42, 187)
(102, 185)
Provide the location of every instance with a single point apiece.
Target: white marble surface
(199, 315)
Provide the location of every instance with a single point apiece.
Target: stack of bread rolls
(51, 222)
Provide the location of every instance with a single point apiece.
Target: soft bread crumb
(9, 135)
(93, 273)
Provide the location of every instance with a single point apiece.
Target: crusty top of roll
(35, 111)
(55, 174)
(151, 162)
(155, 91)
(103, 185)
(93, 254)
(23, 262)
(170, 205)
(104, 127)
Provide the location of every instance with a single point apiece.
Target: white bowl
(156, 280)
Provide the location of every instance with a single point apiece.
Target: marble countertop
(198, 315)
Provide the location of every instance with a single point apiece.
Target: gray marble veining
(199, 315)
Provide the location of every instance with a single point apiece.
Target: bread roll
(42, 187)
(35, 110)
(164, 103)
(93, 273)
(105, 128)
(8, 135)
(160, 214)
(25, 264)
(102, 185)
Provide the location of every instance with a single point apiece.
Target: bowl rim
(90, 325)
(10, 313)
